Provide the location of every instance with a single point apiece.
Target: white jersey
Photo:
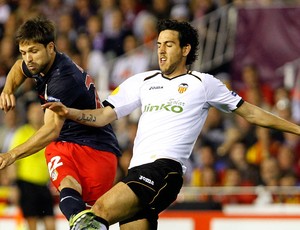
(173, 111)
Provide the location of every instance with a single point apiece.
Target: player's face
(171, 57)
(37, 57)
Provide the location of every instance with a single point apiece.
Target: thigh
(93, 169)
(60, 162)
(119, 203)
(98, 173)
(156, 185)
(142, 224)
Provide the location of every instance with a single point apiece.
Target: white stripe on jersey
(173, 111)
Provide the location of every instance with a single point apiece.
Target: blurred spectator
(208, 179)
(25, 9)
(145, 30)
(200, 8)
(286, 160)
(82, 10)
(130, 10)
(204, 157)
(180, 12)
(295, 97)
(283, 108)
(64, 45)
(253, 90)
(214, 128)
(161, 8)
(263, 148)
(115, 35)
(8, 52)
(94, 30)
(67, 29)
(93, 61)
(133, 61)
(5, 11)
(130, 128)
(288, 179)
(269, 172)
(233, 179)
(106, 9)
(11, 122)
(3, 72)
(145, 27)
(249, 173)
(53, 9)
(240, 130)
(32, 178)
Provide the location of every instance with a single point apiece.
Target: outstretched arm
(261, 117)
(47, 133)
(14, 79)
(91, 117)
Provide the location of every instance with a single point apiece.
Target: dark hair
(187, 35)
(38, 30)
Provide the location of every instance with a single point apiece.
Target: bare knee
(117, 204)
(102, 209)
(70, 182)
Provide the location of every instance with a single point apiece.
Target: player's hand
(6, 159)
(7, 101)
(57, 107)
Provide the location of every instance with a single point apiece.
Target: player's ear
(51, 46)
(186, 50)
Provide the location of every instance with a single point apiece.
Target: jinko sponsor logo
(170, 106)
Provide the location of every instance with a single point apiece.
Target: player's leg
(49, 222)
(46, 207)
(143, 193)
(31, 222)
(142, 224)
(64, 177)
(81, 174)
(119, 203)
(28, 202)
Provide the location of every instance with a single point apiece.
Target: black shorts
(35, 200)
(157, 185)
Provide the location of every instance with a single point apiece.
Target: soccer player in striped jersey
(82, 160)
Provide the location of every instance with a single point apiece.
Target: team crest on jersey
(182, 87)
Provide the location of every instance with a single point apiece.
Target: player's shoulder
(143, 76)
(148, 74)
(203, 77)
(200, 75)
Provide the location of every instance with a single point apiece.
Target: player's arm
(47, 133)
(14, 79)
(261, 117)
(91, 117)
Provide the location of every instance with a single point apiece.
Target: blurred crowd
(112, 40)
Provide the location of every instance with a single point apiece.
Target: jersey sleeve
(126, 97)
(219, 96)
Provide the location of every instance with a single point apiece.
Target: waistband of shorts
(173, 163)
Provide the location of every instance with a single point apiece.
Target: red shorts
(95, 170)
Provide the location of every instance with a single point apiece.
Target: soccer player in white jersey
(174, 102)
